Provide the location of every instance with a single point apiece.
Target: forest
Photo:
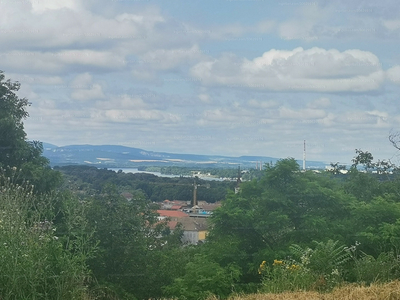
(89, 180)
(67, 233)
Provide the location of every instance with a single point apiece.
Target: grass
(387, 291)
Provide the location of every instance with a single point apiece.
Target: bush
(202, 279)
(318, 269)
(384, 268)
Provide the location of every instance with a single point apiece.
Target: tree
(133, 244)
(203, 278)
(286, 206)
(364, 158)
(336, 168)
(16, 152)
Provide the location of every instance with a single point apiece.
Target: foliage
(324, 259)
(15, 150)
(367, 269)
(319, 269)
(285, 276)
(286, 206)
(335, 168)
(37, 260)
(203, 278)
(90, 180)
(132, 244)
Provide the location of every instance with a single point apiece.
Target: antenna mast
(304, 156)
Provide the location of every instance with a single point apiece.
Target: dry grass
(388, 291)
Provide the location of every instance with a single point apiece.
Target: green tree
(286, 206)
(16, 152)
(204, 277)
(364, 158)
(133, 245)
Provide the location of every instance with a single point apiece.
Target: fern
(324, 258)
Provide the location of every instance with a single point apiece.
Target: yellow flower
(294, 267)
(278, 262)
(262, 267)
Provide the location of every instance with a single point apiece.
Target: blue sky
(240, 77)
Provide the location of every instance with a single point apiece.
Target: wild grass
(36, 260)
(387, 291)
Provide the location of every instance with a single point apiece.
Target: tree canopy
(16, 151)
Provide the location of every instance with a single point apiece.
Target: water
(135, 170)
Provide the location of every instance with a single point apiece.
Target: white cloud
(319, 103)
(261, 104)
(95, 91)
(392, 24)
(341, 19)
(83, 89)
(302, 114)
(314, 69)
(39, 6)
(393, 74)
(82, 80)
(47, 62)
(205, 98)
(26, 79)
(167, 59)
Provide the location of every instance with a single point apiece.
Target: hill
(116, 156)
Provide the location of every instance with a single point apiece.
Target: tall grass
(35, 261)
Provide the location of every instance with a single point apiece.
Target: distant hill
(115, 156)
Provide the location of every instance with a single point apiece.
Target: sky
(220, 77)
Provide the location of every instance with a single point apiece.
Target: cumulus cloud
(62, 61)
(83, 89)
(171, 58)
(361, 19)
(319, 103)
(314, 69)
(261, 104)
(95, 91)
(43, 5)
(393, 74)
(205, 98)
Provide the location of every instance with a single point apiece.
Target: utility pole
(304, 156)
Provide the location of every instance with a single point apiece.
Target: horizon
(227, 78)
(199, 154)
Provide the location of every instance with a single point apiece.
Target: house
(194, 229)
(174, 205)
(173, 215)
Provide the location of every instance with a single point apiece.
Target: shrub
(318, 269)
(202, 279)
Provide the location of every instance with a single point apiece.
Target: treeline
(231, 173)
(91, 180)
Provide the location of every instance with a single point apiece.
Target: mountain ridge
(123, 156)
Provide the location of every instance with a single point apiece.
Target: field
(388, 291)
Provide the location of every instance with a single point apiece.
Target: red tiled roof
(172, 213)
(172, 224)
(176, 207)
